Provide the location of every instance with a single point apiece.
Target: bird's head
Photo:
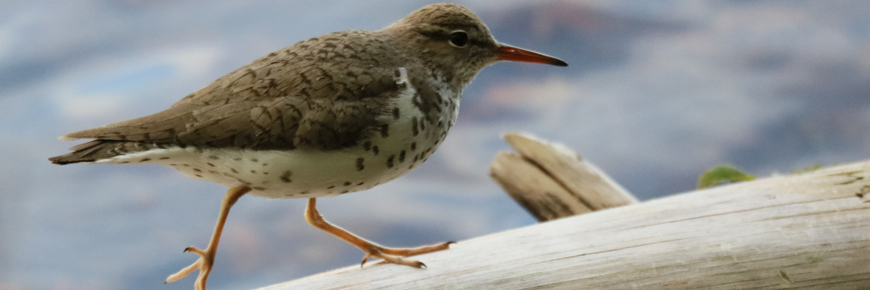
(451, 39)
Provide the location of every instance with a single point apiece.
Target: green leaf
(721, 174)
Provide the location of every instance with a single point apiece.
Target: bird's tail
(99, 149)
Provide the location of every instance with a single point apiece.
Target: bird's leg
(372, 250)
(206, 257)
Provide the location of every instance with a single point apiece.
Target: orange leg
(206, 257)
(372, 250)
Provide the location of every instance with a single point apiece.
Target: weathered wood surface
(551, 181)
(809, 231)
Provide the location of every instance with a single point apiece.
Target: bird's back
(325, 93)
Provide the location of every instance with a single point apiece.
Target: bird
(338, 113)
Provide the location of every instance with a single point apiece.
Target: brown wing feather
(320, 94)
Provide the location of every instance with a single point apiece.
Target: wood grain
(534, 189)
(551, 181)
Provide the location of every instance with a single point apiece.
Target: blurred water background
(657, 92)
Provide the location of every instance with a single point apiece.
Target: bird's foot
(206, 257)
(203, 264)
(372, 250)
(395, 255)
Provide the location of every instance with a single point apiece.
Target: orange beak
(507, 52)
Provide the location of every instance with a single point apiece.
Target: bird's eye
(459, 38)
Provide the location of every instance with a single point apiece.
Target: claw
(365, 259)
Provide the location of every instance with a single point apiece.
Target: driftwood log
(807, 231)
(551, 181)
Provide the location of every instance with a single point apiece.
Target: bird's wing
(276, 102)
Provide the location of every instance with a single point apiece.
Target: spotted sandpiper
(338, 113)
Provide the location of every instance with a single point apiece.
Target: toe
(365, 259)
(184, 272)
(195, 250)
